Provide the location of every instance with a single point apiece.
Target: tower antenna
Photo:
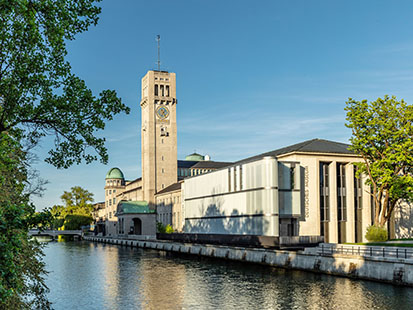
(158, 39)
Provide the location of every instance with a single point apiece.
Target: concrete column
(350, 225)
(333, 225)
(366, 202)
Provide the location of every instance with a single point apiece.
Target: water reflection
(96, 276)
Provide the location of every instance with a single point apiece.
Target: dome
(115, 173)
(195, 157)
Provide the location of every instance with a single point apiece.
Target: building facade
(307, 189)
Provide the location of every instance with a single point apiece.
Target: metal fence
(390, 252)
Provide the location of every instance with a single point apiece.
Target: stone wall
(393, 270)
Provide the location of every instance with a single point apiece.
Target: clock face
(162, 112)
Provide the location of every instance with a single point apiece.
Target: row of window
(162, 90)
(168, 218)
(341, 192)
(109, 191)
(236, 184)
(185, 172)
(114, 183)
(168, 200)
(109, 202)
(161, 79)
(163, 102)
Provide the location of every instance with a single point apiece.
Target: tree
(40, 96)
(78, 201)
(21, 268)
(382, 134)
(38, 92)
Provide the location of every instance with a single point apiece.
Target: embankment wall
(392, 270)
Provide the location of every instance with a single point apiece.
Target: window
(341, 192)
(110, 215)
(358, 191)
(167, 90)
(229, 179)
(235, 179)
(162, 170)
(156, 90)
(110, 202)
(292, 176)
(162, 158)
(324, 193)
(110, 192)
(240, 177)
(114, 200)
(114, 191)
(162, 90)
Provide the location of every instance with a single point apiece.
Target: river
(86, 275)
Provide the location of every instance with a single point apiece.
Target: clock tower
(159, 134)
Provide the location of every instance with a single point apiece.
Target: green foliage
(169, 229)
(77, 209)
(77, 197)
(75, 221)
(382, 133)
(38, 91)
(20, 257)
(160, 228)
(57, 223)
(40, 96)
(376, 234)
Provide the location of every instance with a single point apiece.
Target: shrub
(75, 222)
(376, 234)
(160, 228)
(169, 229)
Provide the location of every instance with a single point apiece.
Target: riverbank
(393, 270)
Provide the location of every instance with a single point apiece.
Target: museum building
(306, 189)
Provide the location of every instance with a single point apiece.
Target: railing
(54, 232)
(370, 251)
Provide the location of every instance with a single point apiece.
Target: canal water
(85, 275)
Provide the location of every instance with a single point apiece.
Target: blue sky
(252, 76)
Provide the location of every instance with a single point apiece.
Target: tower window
(156, 90)
(162, 90)
(163, 170)
(167, 90)
(162, 157)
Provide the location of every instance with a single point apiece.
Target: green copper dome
(115, 173)
(195, 157)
